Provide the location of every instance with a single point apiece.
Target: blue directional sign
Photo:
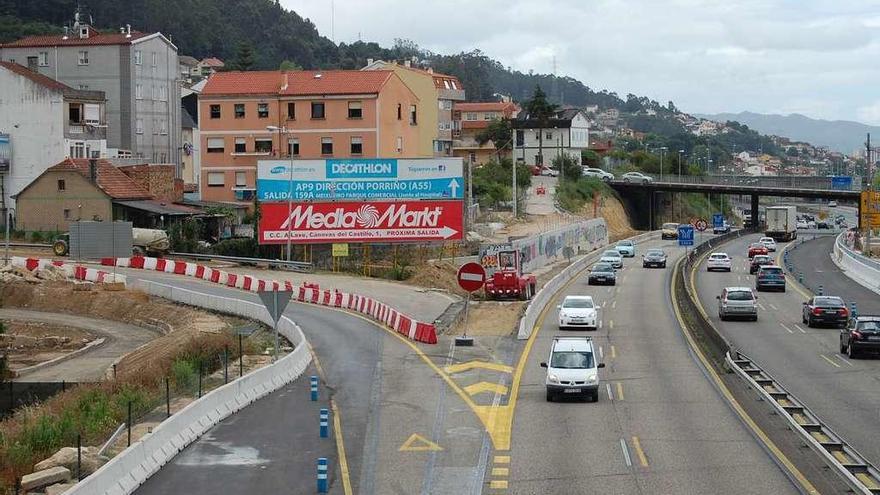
(841, 183)
(685, 235)
(718, 220)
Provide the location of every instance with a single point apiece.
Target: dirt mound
(616, 219)
(437, 275)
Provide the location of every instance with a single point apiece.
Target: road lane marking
(480, 387)
(608, 389)
(625, 450)
(613, 352)
(620, 391)
(601, 352)
(762, 307)
(832, 363)
(799, 328)
(469, 365)
(611, 324)
(604, 303)
(637, 446)
(845, 360)
(498, 484)
(600, 323)
(340, 449)
(614, 305)
(774, 308)
(786, 328)
(418, 443)
(502, 459)
(500, 471)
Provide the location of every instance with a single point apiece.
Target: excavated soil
(29, 342)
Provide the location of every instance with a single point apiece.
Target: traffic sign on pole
(701, 225)
(471, 276)
(718, 220)
(685, 235)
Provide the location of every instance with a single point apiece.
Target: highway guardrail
(860, 268)
(295, 266)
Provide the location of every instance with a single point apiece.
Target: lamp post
(7, 219)
(662, 150)
(283, 130)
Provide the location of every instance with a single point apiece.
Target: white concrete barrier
(128, 470)
(859, 268)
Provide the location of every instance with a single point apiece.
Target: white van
(572, 369)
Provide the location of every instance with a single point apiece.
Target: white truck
(781, 223)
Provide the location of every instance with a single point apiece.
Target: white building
(567, 133)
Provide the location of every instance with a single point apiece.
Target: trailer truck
(781, 223)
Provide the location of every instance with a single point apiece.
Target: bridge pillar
(756, 216)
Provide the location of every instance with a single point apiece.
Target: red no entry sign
(471, 276)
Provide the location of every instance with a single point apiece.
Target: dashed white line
(600, 323)
(608, 389)
(604, 303)
(845, 360)
(614, 305)
(601, 352)
(774, 308)
(625, 452)
(800, 329)
(786, 328)
(762, 307)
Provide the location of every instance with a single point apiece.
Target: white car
(636, 177)
(832, 204)
(572, 369)
(718, 261)
(597, 173)
(578, 311)
(802, 225)
(549, 172)
(769, 243)
(613, 258)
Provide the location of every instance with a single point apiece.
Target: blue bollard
(314, 388)
(325, 423)
(801, 278)
(322, 475)
(821, 290)
(854, 312)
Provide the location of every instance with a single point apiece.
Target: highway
(659, 426)
(844, 393)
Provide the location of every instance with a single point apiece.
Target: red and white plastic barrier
(77, 272)
(309, 293)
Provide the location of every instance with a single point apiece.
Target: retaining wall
(859, 268)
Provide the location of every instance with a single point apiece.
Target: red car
(757, 248)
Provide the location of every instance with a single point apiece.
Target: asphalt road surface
(844, 393)
(659, 426)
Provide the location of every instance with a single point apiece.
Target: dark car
(758, 261)
(602, 273)
(827, 310)
(862, 334)
(654, 257)
(770, 277)
(823, 225)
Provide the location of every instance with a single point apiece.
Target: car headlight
(593, 379)
(552, 378)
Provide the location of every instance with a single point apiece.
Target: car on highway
(578, 311)
(719, 261)
(758, 261)
(823, 225)
(802, 225)
(602, 273)
(654, 258)
(669, 230)
(626, 248)
(825, 310)
(721, 229)
(636, 177)
(598, 173)
(770, 277)
(769, 243)
(737, 302)
(757, 248)
(862, 334)
(612, 257)
(832, 204)
(572, 369)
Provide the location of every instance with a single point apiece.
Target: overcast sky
(818, 58)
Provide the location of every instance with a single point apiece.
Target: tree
(568, 166)
(541, 111)
(590, 158)
(288, 65)
(244, 56)
(500, 132)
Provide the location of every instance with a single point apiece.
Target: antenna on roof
(318, 76)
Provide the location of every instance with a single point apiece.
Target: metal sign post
(685, 236)
(471, 277)
(275, 302)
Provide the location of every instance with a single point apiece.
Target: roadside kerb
(861, 269)
(124, 473)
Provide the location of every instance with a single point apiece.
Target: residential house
(137, 72)
(44, 122)
(470, 119)
(320, 114)
(188, 68)
(438, 94)
(567, 133)
(209, 66)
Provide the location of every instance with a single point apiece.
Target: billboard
(5, 153)
(358, 221)
(360, 179)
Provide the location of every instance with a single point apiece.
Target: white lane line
(610, 323)
(601, 352)
(762, 307)
(608, 389)
(799, 328)
(614, 305)
(774, 308)
(625, 452)
(845, 360)
(600, 323)
(604, 303)
(786, 328)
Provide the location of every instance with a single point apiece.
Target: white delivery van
(572, 369)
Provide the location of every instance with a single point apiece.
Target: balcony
(451, 94)
(85, 130)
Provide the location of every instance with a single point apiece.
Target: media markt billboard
(362, 221)
(361, 179)
(5, 153)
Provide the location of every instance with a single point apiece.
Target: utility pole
(513, 162)
(869, 166)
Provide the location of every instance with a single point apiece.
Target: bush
(36, 236)
(573, 195)
(399, 272)
(183, 373)
(236, 247)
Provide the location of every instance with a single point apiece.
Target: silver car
(613, 258)
(737, 302)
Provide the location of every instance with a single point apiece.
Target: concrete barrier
(863, 270)
(128, 470)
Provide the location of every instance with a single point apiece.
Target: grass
(573, 195)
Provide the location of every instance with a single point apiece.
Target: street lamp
(8, 220)
(283, 130)
(662, 150)
(680, 152)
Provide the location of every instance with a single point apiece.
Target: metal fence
(774, 181)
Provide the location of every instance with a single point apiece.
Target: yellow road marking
(728, 395)
(340, 449)
(460, 367)
(500, 471)
(495, 388)
(832, 363)
(637, 446)
(613, 352)
(418, 443)
(498, 484)
(619, 391)
(867, 481)
(502, 459)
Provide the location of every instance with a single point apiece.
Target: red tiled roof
(249, 82)
(330, 82)
(494, 106)
(111, 180)
(73, 39)
(34, 76)
(213, 62)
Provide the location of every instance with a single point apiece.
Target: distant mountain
(839, 135)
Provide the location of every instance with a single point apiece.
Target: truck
(781, 223)
(504, 276)
(152, 242)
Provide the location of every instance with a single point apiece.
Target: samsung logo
(278, 170)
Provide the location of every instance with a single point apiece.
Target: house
(209, 66)
(137, 72)
(438, 94)
(188, 68)
(248, 116)
(44, 121)
(567, 133)
(470, 119)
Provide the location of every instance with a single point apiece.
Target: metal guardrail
(781, 181)
(27, 245)
(852, 467)
(294, 266)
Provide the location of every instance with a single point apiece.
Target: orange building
(245, 117)
(470, 119)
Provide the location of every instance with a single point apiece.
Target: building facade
(138, 73)
(245, 117)
(568, 133)
(469, 120)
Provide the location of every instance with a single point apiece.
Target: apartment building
(470, 119)
(138, 73)
(249, 116)
(537, 143)
(438, 94)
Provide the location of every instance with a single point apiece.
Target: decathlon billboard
(360, 179)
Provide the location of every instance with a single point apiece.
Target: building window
(32, 63)
(548, 135)
(153, 93)
(154, 57)
(472, 157)
(326, 146)
(139, 126)
(216, 179)
(317, 110)
(215, 145)
(357, 145)
(155, 129)
(84, 87)
(44, 59)
(240, 145)
(291, 111)
(239, 110)
(446, 83)
(520, 137)
(138, 57)
(62, 186)
(263, 145)
(471, 116)
(163, 128)
(215, 111)
(66, 214)
(83, 57)
(399, 144)
(240, 179)
(74, 113)
(399, 110)
(92, 114)
(413, 120)
(139, 91)
(293, 147)
(263, 110)
(488, 116)
(163, 93)
(354, 110)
